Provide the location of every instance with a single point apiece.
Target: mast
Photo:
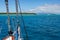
(7, 10)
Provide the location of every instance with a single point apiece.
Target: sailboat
(10, 32)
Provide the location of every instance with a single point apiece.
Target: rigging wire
(23, 20)
(17, 24)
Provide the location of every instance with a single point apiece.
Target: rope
(6, 1)
(23, 20)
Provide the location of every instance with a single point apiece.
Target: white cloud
(47, 8)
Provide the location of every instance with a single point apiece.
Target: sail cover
(9, 38)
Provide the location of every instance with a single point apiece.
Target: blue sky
(27, 4)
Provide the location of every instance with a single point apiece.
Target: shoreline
(15, 13)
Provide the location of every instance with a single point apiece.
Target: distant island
(14, 13)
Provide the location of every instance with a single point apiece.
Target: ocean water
(38, 27)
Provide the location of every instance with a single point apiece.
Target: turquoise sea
(38, 27)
